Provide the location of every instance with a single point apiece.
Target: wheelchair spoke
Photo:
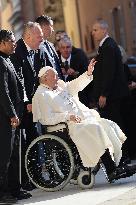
(49, 163)
(58, 170)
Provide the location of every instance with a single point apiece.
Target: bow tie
(31, 52)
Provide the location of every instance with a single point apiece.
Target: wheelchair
(52, 161)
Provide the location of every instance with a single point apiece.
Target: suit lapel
(11, 68)
(104, 43)
(26, 58)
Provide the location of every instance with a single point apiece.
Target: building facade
(76, 17)
(120, 15)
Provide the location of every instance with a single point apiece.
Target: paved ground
(129, 198)
(122, 192)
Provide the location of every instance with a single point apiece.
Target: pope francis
(56, 101)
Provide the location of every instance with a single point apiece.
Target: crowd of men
(20, 63)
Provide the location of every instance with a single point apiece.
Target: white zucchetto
(44, 70)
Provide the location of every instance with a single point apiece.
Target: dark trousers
(128, 109)
(7, 166)
(13, 171)
(112, 111)
(28, 134)
(108, 162)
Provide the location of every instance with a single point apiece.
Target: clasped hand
(75, 118)
(70, 71)
(14, 122)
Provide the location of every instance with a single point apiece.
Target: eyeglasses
(10, 40)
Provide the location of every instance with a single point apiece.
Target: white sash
(43, 50)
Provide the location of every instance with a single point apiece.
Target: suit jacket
(49, 57)
(109, 78)
(25, 69)
(9, 107)
(78, 62)
(9, 96)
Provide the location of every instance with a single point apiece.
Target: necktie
(66, 66)
(31, 57)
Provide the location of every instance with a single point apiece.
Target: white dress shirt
(30, 57)
(68, 59)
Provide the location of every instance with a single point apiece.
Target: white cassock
(93, 135)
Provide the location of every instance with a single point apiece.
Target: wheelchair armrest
(57, 127)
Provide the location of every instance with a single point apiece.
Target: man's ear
(2, 43)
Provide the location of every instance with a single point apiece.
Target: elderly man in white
(56, 101)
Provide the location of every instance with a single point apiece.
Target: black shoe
(122, 172)
(8, 199)
(23, 195)
(28, 186)
(124, 161)
(131, 169)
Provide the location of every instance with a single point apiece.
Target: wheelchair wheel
(49, 162)
(86, 179)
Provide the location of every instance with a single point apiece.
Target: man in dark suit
(27, 65)
(59, 34)
(73, 60)
(109, 83)
(73, 63)
(49, 56)
(10, 107)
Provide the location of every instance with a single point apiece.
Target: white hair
(103, 24)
